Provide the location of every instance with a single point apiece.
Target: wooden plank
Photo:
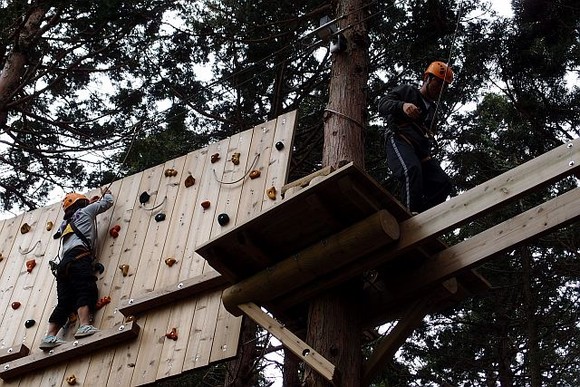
(68, 351)
(532, 224)
(321, 258)
(13, 353)
(279, 157)
(111, 282)
(496, 192)
(386, 349)
(305, 181)
(189, 211)
(34, 287)
(133, 247)
(293, 343)
(161, 297)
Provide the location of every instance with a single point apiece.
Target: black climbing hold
(223, 219)
(144, 197)
(29, 323)
(99, 267)
(279, 145)
(160, 217)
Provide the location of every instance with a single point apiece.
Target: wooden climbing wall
(206, 332)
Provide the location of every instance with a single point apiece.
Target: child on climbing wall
(76, 285)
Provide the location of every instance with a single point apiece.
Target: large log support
(334, 252)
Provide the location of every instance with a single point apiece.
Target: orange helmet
(72, 198)
(440, 70)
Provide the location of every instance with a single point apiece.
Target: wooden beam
(555, 164)
(16, 352)
(293, 343)
(305, 181)
(417, 230)
(387, 348)
(327, 255)
(187, 288)
(538, 221)
(68, 351)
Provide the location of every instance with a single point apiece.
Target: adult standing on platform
(410, 114)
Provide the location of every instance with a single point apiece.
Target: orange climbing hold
(255, 174)
(30, 265)
(124, 269)
(71, 380)
(170, 172)
(172, 335)
(271, 192)
(49, 225)
(205, 204)
(170, 261)
(103, 301)
(215, 158)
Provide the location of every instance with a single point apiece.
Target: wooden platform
(316, 213)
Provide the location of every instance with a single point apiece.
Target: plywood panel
(206, 331)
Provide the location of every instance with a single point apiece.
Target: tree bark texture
(16, 60)
(345, 115)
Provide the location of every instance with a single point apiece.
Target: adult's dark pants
(424, 183)
(75, 287)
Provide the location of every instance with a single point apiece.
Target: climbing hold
(255, 174)
(29, 323)
(223, 219)
(49, 225)
(172, 335)
(1, 257)
(71, 380)
(102, 302)
(144, 197)
(124, 269)
(170, 261)
(99, 267)
(215, 157)
(160, 217)
(271, 192)
(205, 204)
(15, 305)
(25, 228)
(30, 265)
(236, 158)
(279, 145)
(170, 172)
(114, 232)
(189, 181)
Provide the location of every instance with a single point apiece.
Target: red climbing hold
(30, 265)
(172, 335)
(103, 301)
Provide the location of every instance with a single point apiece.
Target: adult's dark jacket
(416, 131)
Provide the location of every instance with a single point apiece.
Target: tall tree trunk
(17, 59)
(291, 370)
(333, 325)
